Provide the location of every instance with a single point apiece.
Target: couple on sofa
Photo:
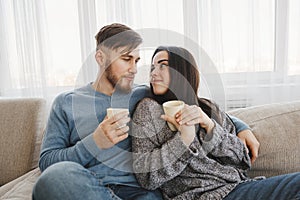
(86, 155)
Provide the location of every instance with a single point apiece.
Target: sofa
(22, 121)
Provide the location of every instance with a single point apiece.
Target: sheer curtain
(24, 48)
(253, 44)
(248, 50)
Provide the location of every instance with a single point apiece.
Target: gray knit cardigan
(209, 168)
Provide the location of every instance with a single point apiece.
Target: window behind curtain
(247, 35)
(294, 38)
(64, 41)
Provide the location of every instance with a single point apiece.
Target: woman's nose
(154, 71)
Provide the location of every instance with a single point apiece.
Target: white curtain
(24, 48)
(248, 50)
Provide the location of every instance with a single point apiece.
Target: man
(86, 155)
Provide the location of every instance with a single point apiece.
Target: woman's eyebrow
(162, 60)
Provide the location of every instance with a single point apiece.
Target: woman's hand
(187, 132)
(191, 115)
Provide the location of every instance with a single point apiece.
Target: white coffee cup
(171, 108)
(113, 111)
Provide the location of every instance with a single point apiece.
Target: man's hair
(117, 35)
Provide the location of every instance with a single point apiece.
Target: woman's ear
(100, 57)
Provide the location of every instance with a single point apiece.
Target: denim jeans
(283, 187)
(71, 181)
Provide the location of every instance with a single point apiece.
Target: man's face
(121, 69)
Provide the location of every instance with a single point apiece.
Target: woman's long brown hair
(185, 80)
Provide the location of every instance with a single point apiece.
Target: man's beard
(115, 82)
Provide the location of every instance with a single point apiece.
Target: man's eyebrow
(126, 55)
(162, 60)
(130, 56)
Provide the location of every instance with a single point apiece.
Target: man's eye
(126, 59)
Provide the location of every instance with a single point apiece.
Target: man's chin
(124, 89)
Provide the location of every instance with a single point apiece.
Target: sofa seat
(276, 126)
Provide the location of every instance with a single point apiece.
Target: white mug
(171, 108)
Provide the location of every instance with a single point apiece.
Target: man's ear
(100, 57)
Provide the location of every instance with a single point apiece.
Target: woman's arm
(218, 135)
(159, 155)
(224, 145)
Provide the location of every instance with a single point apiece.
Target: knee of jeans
(58, 171)
(295, 179)
(62, 169)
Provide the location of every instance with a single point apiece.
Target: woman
(204, 159)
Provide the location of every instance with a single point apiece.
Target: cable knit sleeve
(224, 145)
(159, 154)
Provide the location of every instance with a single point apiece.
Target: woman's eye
(162, 66)
(152, 68)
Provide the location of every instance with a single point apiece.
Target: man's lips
(130, 78)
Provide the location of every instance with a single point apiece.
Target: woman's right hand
(191, 115)
(187, 132)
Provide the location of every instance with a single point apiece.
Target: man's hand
(112, 130)
(250, 142)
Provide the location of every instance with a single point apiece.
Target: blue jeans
(71, 181)
(283, 187)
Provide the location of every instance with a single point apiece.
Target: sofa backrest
(277, 128)
(21, 125)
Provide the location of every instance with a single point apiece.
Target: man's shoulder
(67, 96)
(140, 88)
(140, 91)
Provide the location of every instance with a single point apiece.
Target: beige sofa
(277, 127)
(21, 126)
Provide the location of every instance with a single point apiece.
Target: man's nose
(133, 68)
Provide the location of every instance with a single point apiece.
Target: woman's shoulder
(147, 106)
(148, 103)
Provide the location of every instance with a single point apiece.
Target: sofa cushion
(21, 125)
(20, 188)
(277, 128)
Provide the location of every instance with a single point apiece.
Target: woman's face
(160, 74)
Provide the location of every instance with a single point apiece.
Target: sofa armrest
(21, 123)
(277, 128)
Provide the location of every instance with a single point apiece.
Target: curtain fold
(87, 27)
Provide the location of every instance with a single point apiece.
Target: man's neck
(102, 85)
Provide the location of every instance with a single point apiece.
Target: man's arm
(57, 145)
(239, 124)
(248, 138)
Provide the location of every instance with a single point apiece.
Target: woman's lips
(156, 81)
